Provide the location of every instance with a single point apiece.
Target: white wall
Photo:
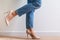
(18, 23)
(46, 19)
(49, 17)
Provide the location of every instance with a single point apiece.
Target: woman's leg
(25, 9)
(29, 24)
(29, 19)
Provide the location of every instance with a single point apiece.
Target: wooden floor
(41, 38)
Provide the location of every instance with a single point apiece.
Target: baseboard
(21, 33)
(49, 33)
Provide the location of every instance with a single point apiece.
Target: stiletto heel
(27, 35)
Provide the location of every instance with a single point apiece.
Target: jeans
(29, 9)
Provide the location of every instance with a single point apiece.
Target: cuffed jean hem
(29, 27)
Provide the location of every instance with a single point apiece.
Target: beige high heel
(6, 20)
(31, 34)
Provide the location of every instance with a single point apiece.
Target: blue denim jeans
(29, 9)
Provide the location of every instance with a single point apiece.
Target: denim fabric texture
(29, 9)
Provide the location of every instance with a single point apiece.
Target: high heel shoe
(6, 19)
(33, 36)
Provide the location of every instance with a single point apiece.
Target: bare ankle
(14, 13)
